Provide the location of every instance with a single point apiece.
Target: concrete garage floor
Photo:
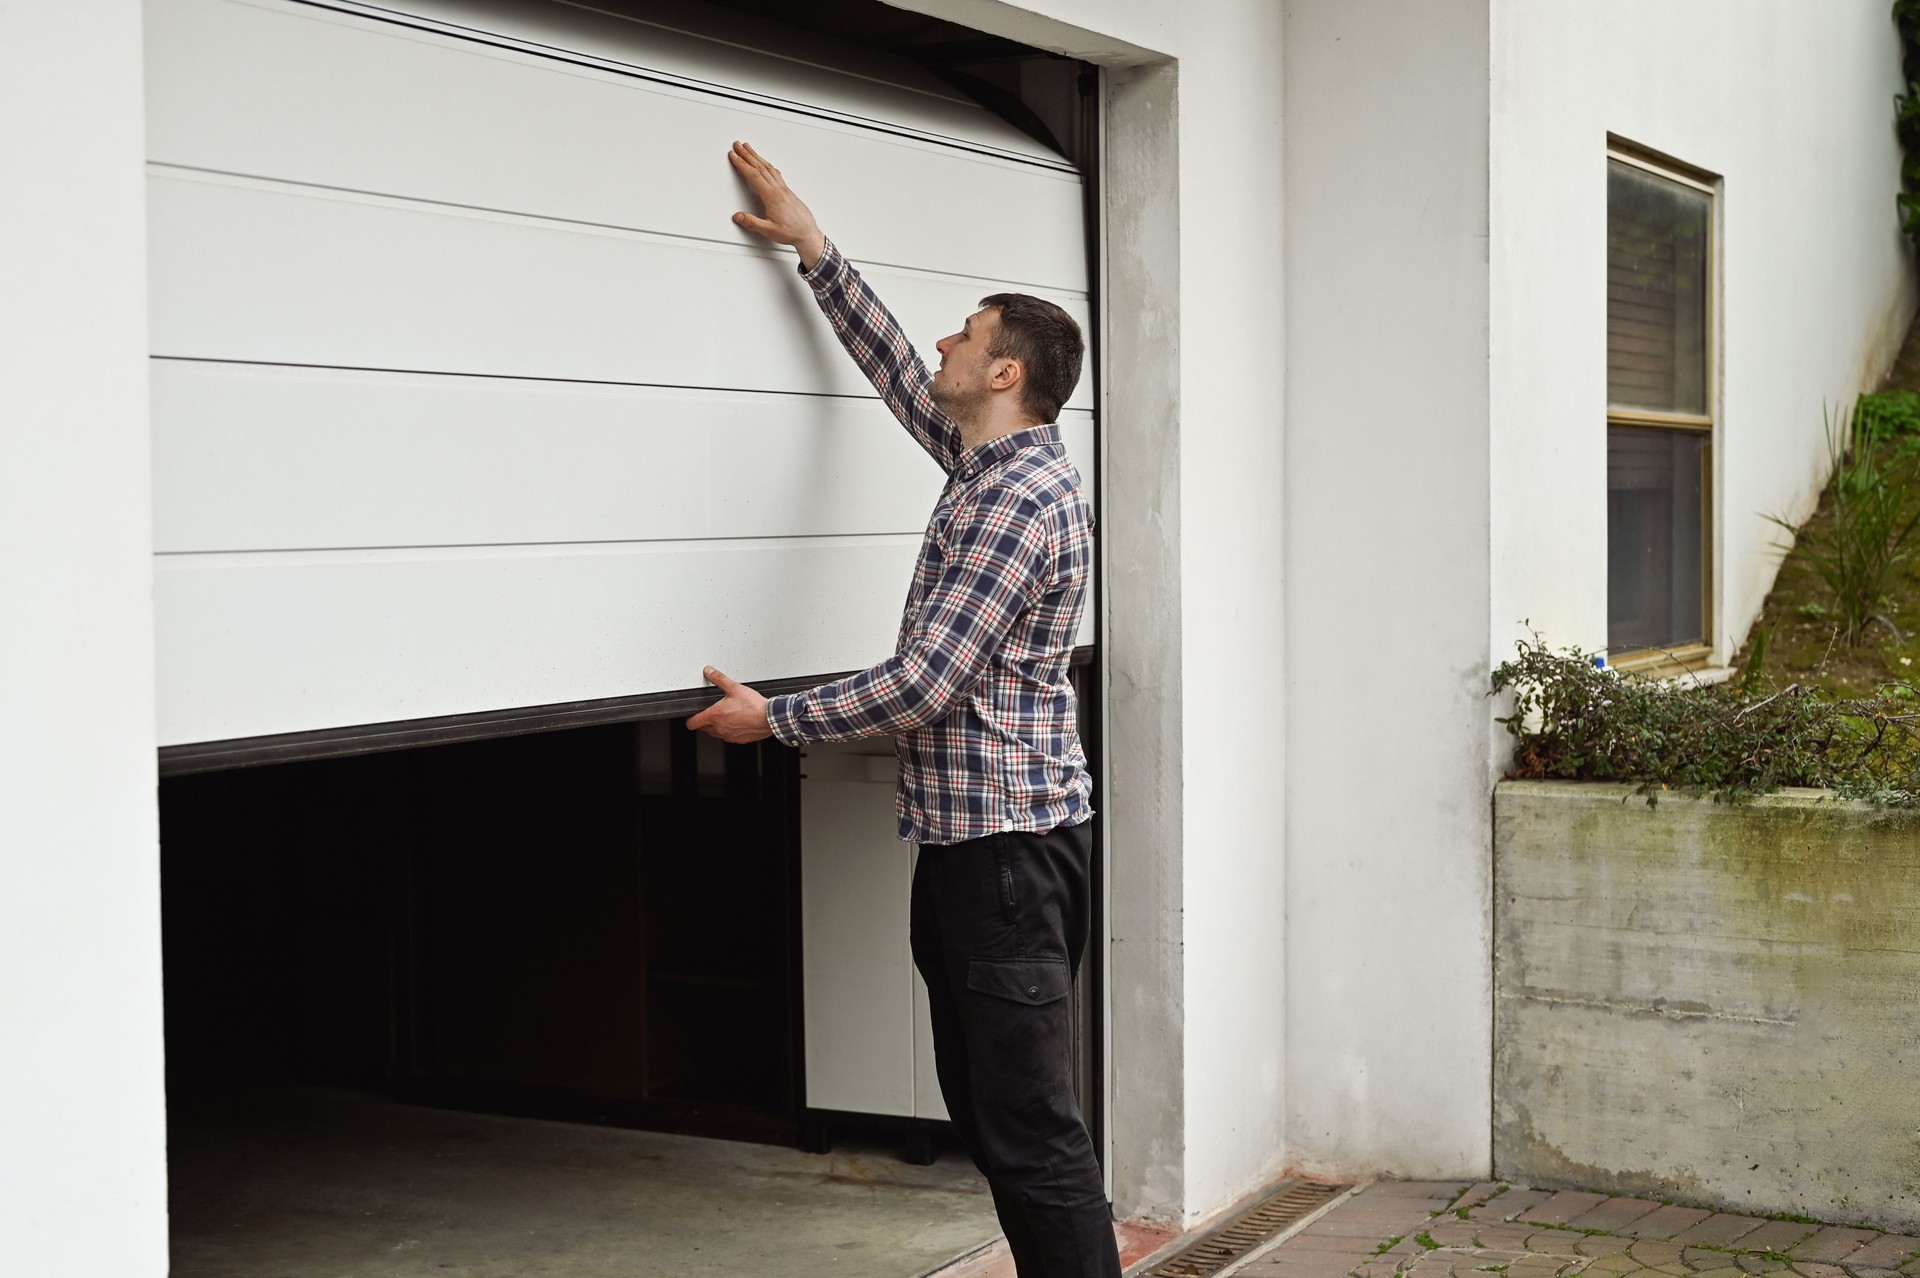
(325, 1183)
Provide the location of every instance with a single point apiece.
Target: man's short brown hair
(1047, 343)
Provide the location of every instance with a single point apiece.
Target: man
(993, 782)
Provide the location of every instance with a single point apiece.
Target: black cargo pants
(999, 927)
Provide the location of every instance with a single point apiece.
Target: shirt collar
(1001, 447)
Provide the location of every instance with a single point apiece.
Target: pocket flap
(1024, 980)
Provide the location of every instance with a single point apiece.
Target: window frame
(1691, 657)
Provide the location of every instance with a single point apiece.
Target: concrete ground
(324, 1183)
(1453, 1229)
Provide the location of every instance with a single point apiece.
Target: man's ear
(1007, 374)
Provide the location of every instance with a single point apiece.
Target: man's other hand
(787, 220)
(738, 717)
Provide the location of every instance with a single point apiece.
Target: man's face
(965, 377)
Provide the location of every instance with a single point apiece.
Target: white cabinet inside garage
(869, 1042)
(468, 396)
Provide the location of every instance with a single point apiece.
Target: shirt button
(1033, 991)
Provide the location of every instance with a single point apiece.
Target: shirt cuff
(783, 715)
(827, 271)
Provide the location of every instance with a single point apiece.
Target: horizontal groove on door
(539, 219)
(369, 738)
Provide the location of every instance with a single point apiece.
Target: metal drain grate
(1248, 1230)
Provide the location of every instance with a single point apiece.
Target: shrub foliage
(1577, 720)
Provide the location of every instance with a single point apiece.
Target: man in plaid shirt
(993, 782)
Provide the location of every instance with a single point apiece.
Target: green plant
(1906, 114)
(1426, 1241)
(1577, 720)
(1889, 413)
(1757, 653)
(1873, 490)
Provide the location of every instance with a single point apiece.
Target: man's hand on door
(739, 717)
(788, 220)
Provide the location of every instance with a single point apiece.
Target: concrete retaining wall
(1718, 1004)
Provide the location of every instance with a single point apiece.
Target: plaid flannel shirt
(976, 694)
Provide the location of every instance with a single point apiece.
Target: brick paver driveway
(1448, 1229)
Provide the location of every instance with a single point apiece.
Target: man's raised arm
(864, 325)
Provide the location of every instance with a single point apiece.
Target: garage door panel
(253, 457)
(251, 271)
(263, 457)
(716, 47)
(265, 643)
(729, 53)
(1077, 436)
(435, 118)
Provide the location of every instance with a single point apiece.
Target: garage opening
(599, 925)
(389, 974)
(476, 961)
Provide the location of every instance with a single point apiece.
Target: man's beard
(962, 404)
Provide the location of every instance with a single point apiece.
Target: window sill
(1691, 664)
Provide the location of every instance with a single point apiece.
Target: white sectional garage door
(468, 396)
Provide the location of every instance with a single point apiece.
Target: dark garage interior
(596, 924)
(388, 975)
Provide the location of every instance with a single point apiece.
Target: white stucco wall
(1790, 103)
(1233, 327)
(1387, 820)
(82, 1104)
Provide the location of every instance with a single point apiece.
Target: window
(1660, 410)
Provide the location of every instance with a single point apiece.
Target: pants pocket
(1032, 981)
(1020, 1026)
(1003, 873)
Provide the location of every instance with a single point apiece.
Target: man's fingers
(758, 225)
(759, 171)
(759, 159)
(748, 163)
(757, 183)
(751, 161)
(738, 717)
(706, 718)
(756, 178)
